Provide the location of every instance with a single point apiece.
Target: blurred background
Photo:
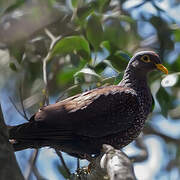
(70, 46)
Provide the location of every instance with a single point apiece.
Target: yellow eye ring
(145, 58)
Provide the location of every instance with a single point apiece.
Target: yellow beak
(162, 68)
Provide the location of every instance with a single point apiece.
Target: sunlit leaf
(87, 71)
(94, 31)
(70, 44)
(170, 80)
(86, 75)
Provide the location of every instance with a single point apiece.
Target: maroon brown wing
(95, 113)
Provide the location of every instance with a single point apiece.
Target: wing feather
(95, 113)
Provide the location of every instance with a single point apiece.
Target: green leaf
(86, 75)
(66, 76)
(118, 78)
(119, 60)
(177, 35)
(153, 104)
(13, 66)
(164, 100)
(15, 5)
(127, 19)
(70, 44)
(102, 4)
(17, 53)
(84, 11)
(123, 55)
(74, 3)
(106, 44)
(94, 31)
(102, 65)
(175, 66)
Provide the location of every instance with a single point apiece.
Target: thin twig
(46, 99)
(37, 174)
(45, 60)
(53, 39)
(66, 91)
(50, 35)
(16, 108)
(45, 78)
(32, 162)
(62, 161)
(21, 101)
(78, 163)
(23, 114)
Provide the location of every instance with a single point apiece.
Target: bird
(81, 124)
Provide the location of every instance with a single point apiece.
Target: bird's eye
(145, 58)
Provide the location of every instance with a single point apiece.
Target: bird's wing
(94, 113)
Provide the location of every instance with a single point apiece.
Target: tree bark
(9, 168)
(112, 164)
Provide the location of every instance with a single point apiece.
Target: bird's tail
(21, 136)
(36, 135)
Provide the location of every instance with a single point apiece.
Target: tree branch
(62, 161)
(32, 161)
(112, 164)
(8, 166)
(143, 155)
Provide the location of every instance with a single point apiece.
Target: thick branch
(117, 164)
(113, 164)
(8, 166)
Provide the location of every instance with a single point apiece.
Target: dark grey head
(146, 61)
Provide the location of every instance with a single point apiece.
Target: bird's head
(146, 61)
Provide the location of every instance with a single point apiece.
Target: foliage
(97, 39)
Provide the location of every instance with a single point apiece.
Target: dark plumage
(80, 124)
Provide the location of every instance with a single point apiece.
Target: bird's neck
(134, 79)
(138, 82)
